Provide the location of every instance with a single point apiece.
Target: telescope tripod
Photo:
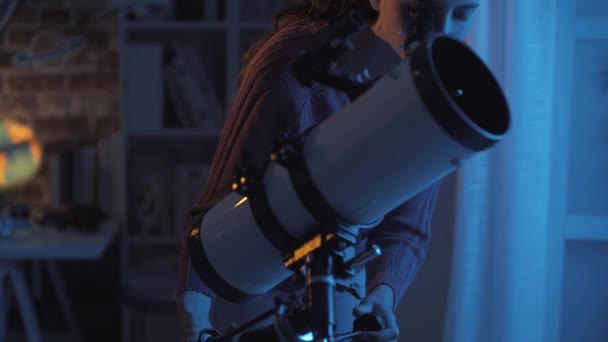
(327, 262)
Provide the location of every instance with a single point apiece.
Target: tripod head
(327, 263)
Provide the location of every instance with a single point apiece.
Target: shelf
(586, 228)
(176, 25)
(255, 26)
(177, 133)
(591, 28)
(152, 240)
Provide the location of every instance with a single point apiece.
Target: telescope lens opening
(470, 85)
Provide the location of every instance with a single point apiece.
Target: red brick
(114, 43)
(6, 59)
(64, 128)
(49, 3)
(34, 191)
(25, 14)
(20, 106)
(94, 106)
(105, 126)
(99, 81)
(62, 139)
(82, 17)
(113, 59)
(53, 105)
(93, 36)
(35, 82)
(20, 36)
(95, 58)
(91, 4)
(60, 16)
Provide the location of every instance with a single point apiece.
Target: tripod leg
(321, 287)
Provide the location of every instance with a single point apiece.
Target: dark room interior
(113, 111)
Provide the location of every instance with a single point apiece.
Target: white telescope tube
(413, 127)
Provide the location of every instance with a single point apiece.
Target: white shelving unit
(223, 41)
(580, 210)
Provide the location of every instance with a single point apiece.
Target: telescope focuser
(320, 65)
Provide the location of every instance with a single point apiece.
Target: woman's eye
(463, 14)
(413, 13)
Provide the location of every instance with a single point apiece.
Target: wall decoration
(50, 47)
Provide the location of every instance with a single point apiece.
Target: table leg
(64, 301)
(3, 302)
(26, 306)
(37, 279)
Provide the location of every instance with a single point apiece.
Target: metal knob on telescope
(360, 260)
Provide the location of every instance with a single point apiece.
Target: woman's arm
(403, 236)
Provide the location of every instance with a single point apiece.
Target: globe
(20, 153)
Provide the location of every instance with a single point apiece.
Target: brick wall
(67, 100)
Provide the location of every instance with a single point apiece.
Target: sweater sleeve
(403, 237)
(249, 137)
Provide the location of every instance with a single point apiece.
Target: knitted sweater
(269, 96)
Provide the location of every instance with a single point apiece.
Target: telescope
(300, 214)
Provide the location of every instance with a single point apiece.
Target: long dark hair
(315, 10)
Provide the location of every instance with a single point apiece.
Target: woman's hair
(316, 10)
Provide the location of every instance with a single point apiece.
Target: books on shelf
(88, 174)
(85, 175)
(212, 10)
(161, 193)
(191, 90)
(144, 91)
(150, 195)
(110, 180)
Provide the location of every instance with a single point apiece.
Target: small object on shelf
(150, 10)
(73, 175)
(151, 195)
(13, 216)
(109, 175)
(188, 9)
(83, 218)
(191, 90)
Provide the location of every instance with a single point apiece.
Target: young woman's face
(397, 18)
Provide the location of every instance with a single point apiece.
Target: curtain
(499, 273)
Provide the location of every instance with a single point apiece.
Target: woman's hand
(379, 303)
(193, 314)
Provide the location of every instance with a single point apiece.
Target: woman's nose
(443, 24)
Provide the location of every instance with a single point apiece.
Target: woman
(268, 96)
